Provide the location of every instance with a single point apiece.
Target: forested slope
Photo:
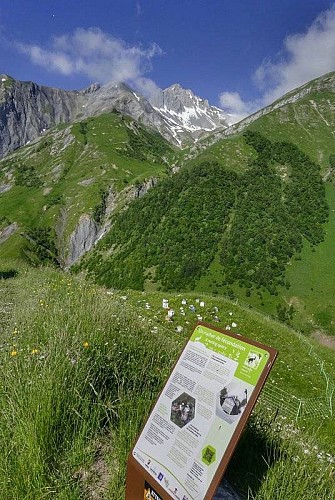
(253, 221)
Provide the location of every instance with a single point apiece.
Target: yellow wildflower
(34, 351)
(13, 353)
(86, 345)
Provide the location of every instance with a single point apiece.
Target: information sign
(191, 433)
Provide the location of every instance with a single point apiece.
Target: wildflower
(34, 351)
(13, 353)
(86, 345)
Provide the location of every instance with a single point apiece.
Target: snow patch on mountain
(187, 113)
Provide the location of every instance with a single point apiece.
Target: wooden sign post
(192, 431)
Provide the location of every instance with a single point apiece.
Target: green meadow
(82, 365)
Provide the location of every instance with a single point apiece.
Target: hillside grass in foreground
(81, 367)
(74, 366)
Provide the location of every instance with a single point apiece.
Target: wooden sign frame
(140, 477)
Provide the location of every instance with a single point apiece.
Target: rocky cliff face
(27, 110)
(7, 231)
(87, 231)
(142, 189)
(82, 239)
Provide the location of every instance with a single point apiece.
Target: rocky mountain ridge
(27, 110)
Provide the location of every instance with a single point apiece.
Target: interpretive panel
(201, 411)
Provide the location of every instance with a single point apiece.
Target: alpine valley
(112, 204)
(245, 211)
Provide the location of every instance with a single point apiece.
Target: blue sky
(239, 54)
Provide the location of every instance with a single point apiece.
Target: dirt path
(323, 339)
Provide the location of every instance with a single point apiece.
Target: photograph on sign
(232, 400)
(183, 410)
(193, 421)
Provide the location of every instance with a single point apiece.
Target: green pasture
(91, 361)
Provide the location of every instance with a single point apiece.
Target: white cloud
(97, 55)
(146, 86)
(304, 56)
(237, 109)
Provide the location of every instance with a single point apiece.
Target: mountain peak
(94, 87)
(174, 86)
(186, 111)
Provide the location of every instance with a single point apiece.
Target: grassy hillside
(233, 153)
(91, 362)
(170, 236)
(310, 276)
(304, 116)
(68, 171)
(215, 230)
(308, 123)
